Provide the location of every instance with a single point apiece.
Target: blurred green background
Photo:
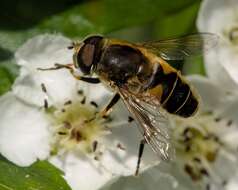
(134, 20)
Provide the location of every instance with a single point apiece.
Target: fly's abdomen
(174, 93)
(181, 100)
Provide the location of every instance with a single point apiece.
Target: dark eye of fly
(89, 54)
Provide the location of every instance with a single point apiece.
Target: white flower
(206, 148)
(221, 17)
(50, 115)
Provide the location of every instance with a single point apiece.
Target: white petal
(216, 71)
(149, 180)
(233, 183)
(43, 51)
(210, 93)
(228, 108)
(24, 136)
(228, 57)
(220, 17)
(123, 161)
(216, 15)
(98, 93)
(82, 172)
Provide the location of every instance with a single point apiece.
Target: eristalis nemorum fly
(141, 77)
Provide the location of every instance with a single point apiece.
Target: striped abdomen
(174, 93)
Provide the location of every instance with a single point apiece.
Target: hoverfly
(143, 80)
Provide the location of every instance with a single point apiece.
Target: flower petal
(24, 136)
(122, 146)
(220, 17)
(215, 14)
(228, 108)
(210, 93)
(98, 93)
(148, 180)
(216, 71)
(42, 52)
(82, 172)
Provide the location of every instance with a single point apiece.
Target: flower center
(197, 144)
(233, 35)
(77, 125)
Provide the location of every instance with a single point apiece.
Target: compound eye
(84, 58)
(87, 54)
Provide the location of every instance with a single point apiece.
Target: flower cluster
(50, 115)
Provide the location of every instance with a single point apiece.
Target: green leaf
(178, 24)
(106, 16)
(194, 66)
(40, 176)
(6, 80)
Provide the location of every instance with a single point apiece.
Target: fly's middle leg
(140, 153)
(108, 108)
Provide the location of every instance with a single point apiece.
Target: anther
(68, 102)
(67, 125)
(43, 88)
(119, 145)
(80, 92)
(94, 104)
(95, 144)
(83, 100)
(229, 123)
(46, 105)
(61, 133)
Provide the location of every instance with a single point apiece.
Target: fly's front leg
(113, 101)
(70, 67)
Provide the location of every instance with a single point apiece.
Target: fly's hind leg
(58, 66)
(140, 153)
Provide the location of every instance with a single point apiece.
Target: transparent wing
(181, 48)
(153, 124)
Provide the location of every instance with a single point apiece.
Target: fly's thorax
(120, 63)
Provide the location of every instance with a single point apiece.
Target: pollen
(197, 145)
(77, 125)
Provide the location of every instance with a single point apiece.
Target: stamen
(119, 145)
(229, 123)
(83, 100)
(233, 35)
(80, 92)
(43, 88)
(62, 133)
(94, 104)
(199, 146)
(95, 144)
(46, 105)
(78, 126)
(67, 125)
(68, 102)
(198, 160)
(203, 171)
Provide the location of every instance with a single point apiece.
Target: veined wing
(183, 47)
(153, 123)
